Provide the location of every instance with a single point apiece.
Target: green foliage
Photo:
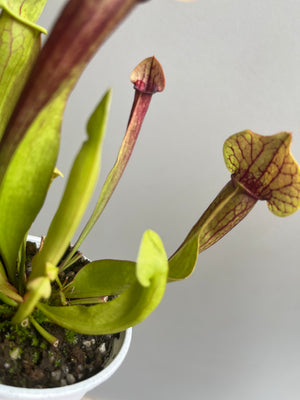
(32, 108)
(105, 296)
(101, 278)
(71, 336)
(183, 262)
(25, 184)
(79, 189)
(23, 189)
(131, 306)
(26, 12)
(20, 45)
(262, 168)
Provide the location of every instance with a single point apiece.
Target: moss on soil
(28, 360)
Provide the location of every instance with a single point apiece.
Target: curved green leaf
(131, 307)
(102, 278)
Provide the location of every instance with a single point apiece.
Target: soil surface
(28, 360)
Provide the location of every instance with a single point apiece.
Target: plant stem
(88, 301)
(46, 335)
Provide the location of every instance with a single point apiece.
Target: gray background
(232, 331)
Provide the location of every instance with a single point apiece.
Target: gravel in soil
(28, 360)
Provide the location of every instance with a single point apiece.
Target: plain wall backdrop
(232, 330)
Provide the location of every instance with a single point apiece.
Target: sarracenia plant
(34, 85)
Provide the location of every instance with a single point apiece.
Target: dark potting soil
(28, 360)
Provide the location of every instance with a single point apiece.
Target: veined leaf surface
(265, 168)
(262, 168)
(20, 45)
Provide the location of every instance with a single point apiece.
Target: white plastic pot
(75, 391)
